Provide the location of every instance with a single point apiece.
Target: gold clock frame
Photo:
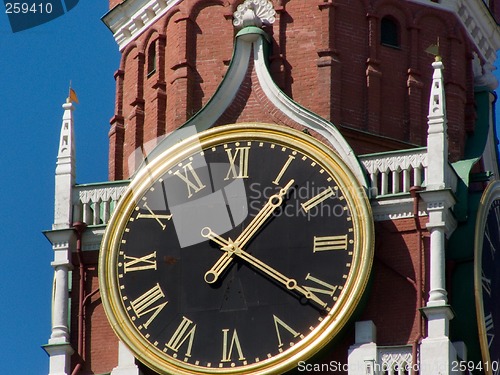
(331, 325)
(490, 194)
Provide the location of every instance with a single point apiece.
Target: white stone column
(59, 348)
(60, 317)
(126, 362)
(437, 227)
(363, 354)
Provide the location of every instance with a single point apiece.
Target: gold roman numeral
(191, 178)
(229, 345)
(328, 243)
(488, 322)
(184, 331)
(147, 262)
(490, 242)
(330, 289)
(148, 303)
(241, 156)
(314, 201)
(283, 170)
(152, 215)
(497, 216)
(486, 283)
(280, 323)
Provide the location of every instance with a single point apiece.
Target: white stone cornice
(131, 18)
(483, 74)
(395, 208)
(61, 238)
(439, 204)
(92, 237)
(477, 20)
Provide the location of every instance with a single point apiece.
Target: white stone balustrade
(396, 171)
(93, 204)
(395, 360)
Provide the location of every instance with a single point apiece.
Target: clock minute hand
(289, 283)
(232, 249)
(274, 201)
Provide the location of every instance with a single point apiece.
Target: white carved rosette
(254, 13)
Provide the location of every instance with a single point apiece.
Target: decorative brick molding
(131, 18)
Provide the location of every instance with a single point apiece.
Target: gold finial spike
(433, 49)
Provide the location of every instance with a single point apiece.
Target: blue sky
(36, 66)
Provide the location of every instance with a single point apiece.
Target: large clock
(244, 249)
(487, 277)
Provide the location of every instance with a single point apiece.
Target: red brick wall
(113, 3)
(400, 252)
(327, 57)
(100, 344)
(210, 57)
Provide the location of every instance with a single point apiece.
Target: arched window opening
(389, 32)
(152, 59)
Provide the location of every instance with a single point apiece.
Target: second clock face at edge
(236, 253)
(488, 278)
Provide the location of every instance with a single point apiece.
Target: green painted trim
(476, 142)
(66, 345)
(53, 345)
(70, 300)
(495, 131)
(394, 152)
(106, 183)
(462, 169)
(253, 30)
(95, 226)
(382, 197)
(473, 152)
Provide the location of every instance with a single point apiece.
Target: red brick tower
(357, 75)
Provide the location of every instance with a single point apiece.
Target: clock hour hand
(225, 260)
(212, 275)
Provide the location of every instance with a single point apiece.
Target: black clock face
(490, 287)
(237, 254)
